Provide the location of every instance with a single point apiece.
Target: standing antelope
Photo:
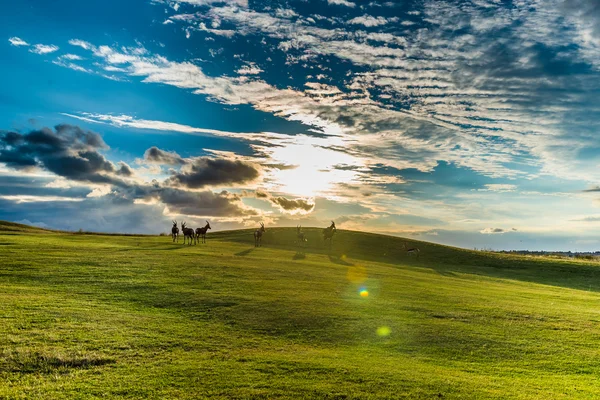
(188, 233)
(201, 232)
(258, 235)
(175, 232)
(300, 238)
(411, 250)
(328, 233)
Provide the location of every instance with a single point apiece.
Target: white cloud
(38, 199)
(81, 43)
(44, 48)
(249, 70)
(342, 3)
(370, 21)
(72, 57)
(15, 41)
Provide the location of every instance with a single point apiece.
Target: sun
(312, 169)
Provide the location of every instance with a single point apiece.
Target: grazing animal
(328, 233)
(188, 233)
(258, 235)
(201, 232)
(175, 232)
(411, 250)
(300, 238)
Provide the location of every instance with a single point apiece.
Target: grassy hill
(91, 316)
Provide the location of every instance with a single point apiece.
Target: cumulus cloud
(67, 151)
(204, 171)
(342, 3)
(293, 205)
(154, 155)
(73, 154)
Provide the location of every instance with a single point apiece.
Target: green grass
(92, 316)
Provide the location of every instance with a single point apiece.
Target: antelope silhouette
(300, 237)
(201, 232)
(258, 235)
(175, 232)
(411, 250)
(328, 233)
(188, 233)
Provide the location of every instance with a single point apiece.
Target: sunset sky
(469, 123)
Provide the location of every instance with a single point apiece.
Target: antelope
(328, 233)
(258, 235)
(187, 233)
(201, 232)
(411, 250)
(175, 232)
(301, 239)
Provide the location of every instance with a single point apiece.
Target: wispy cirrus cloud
(43, 49)
(15, 41)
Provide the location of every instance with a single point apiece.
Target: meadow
(127, 317)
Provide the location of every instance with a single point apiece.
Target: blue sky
(471, 123)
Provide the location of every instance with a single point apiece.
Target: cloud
(81, 43)
(240, 3)
(370, 21)
(249, 70)
(491, 231)
(342, 3)
(499, 187)
(154, 155)
(67, 151)
(204, 171)
(199, 204)
(73, 57)
(15, 41)
(587, 219)
(44, 48)
(293, 205)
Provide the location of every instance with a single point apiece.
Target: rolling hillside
(91, 316)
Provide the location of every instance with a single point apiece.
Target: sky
(469, 123)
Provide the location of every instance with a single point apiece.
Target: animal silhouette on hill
(175, 232)
(201, 232)
(300, 237)
(328, 233)
(188, 233)
(258, 235)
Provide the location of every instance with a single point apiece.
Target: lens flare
(384, 331)
(357, 274)
(364, 292)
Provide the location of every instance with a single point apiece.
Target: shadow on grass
(444, 260)
(300, 255)
(245, 252)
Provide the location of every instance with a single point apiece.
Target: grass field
(92, 316)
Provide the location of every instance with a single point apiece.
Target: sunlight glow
(312, 166)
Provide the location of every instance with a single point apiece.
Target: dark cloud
(491, 231)
(124, 170)
(293, 205)
(204, 171)
(155, 155)
(68, 151)
(204, 203)
(73, 153)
